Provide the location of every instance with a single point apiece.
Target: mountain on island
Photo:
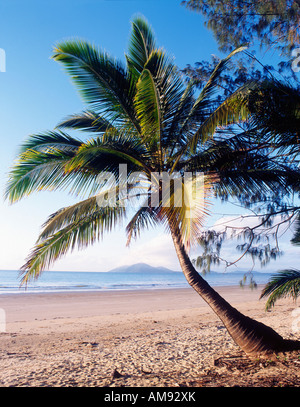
(141, 268)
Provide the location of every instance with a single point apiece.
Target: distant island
(142, 268)
(147, 269)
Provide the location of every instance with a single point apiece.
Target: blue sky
(36, 93)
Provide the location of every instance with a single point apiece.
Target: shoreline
(151, 337)
(65, 282)
(28, 306)
(120, 290)
(222, 289)
(67, 310)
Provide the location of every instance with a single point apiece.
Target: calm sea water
(54, 281)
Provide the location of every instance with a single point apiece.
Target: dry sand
(139, 338)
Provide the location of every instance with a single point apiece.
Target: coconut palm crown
(142, 114)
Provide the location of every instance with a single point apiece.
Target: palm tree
(144, 116)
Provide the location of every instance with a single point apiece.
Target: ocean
(59, 281)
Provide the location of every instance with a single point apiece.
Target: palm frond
(81, 232)
(233, 110)
(241, 168)
(141, 44)
(168, 82)
(147, 104)
(49, 141)
(87, 121)
(286, 283)
(67, 216)
(112, 193)
(35, 171)
(203, 105)
(191, 215)
(176, 133)
(45, 164)
(105, 153)
(211, 86)
(159, 92)
(103, 82)
(144, 218)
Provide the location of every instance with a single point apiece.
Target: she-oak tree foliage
(141, 113)
(271, 25)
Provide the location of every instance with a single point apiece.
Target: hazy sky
(36, 94)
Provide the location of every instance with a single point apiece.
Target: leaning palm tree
(146, 123)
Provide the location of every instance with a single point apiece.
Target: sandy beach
(137, 338)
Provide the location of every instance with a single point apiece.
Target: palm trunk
(251, 336)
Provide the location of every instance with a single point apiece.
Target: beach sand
(144, 338)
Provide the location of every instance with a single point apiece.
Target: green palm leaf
(177, 131)
(105, 153)
(79, 232)
(103, 82)
(36, 171)
(233, 110)
(159, 92)
(239, 168)
(87, 121)
(69, 215)
(147, 103)
(203, 103)
(168, 83)
(42, 166)
(286, 283)
(211, 87)
(51, 141)
(144, 218)
(141, 44)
